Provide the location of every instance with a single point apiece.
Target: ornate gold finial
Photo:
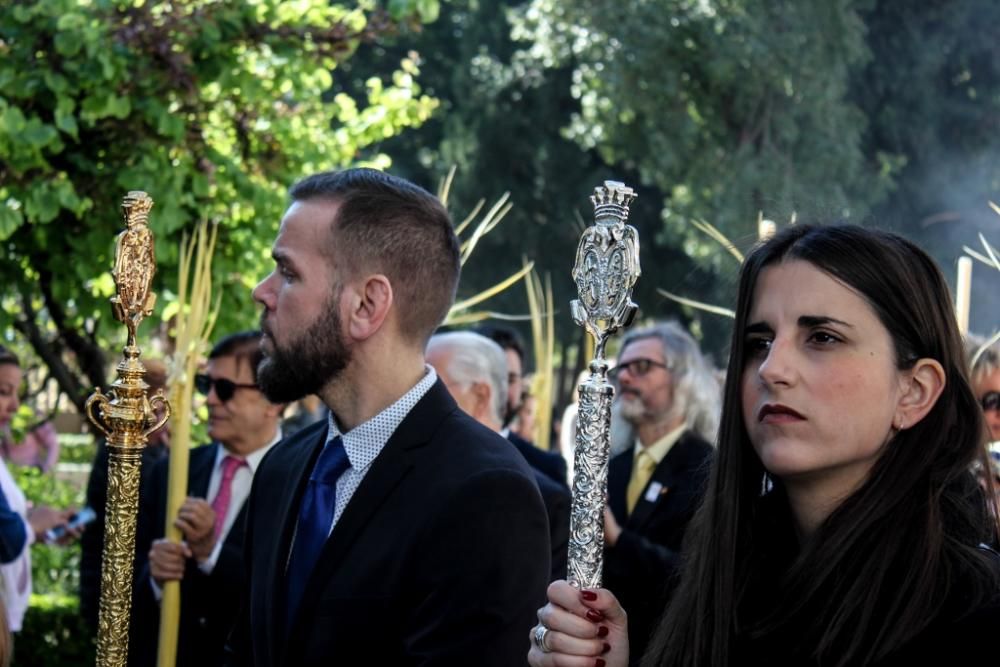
(607, 267)
(125, 415)
(135, 264)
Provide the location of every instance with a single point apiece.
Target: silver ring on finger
(540, 636)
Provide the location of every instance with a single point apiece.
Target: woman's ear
(922, 387)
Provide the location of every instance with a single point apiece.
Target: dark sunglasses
(636, 367)
(991, 401)
(224, 389)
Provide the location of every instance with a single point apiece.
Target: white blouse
(15, 576)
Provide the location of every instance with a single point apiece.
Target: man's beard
(306, 364)
(632, 409)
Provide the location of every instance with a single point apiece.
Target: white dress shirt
(240, 489)
(365, 442)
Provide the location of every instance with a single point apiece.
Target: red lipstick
(776, 413)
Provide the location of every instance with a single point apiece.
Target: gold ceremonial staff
(607, 266)
(125, 416)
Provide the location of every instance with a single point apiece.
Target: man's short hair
(387, 225)
(475, 358)
(244, 346)
(505, 337)
(696, 395)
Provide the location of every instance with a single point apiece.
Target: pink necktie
(230, 464)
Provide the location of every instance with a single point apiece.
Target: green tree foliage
(931, 94)
(729, 107)
(865, 110)
(712, 111)
(211, 107)
(501, 124)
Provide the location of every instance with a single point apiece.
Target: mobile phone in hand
(81, 518)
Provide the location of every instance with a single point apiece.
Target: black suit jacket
(640, 568)
(552, 464)
(441, 557)
(558, 504)
(209, 602)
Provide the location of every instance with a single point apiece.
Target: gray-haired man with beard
(401, 531)
(670, 398)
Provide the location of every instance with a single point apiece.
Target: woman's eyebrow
(806, 321)
(759, 328)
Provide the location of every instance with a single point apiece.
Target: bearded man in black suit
(400, 531)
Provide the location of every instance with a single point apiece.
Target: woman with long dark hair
(842, 524)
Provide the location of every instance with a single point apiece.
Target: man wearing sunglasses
(244, 426)
(669, 396)
(400, 531)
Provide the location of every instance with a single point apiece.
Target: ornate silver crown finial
(607, 266)
(611, 202)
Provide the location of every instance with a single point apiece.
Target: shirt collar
(357, 441)
(659, 449)
(252, 459)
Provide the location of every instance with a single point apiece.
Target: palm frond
(707, 307)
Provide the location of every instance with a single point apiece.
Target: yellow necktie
(641, 472)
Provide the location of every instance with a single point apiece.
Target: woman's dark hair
(877, 570)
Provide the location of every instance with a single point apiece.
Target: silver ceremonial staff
(607, 266)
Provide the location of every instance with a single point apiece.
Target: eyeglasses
(991, 401)
(224, 389)
(636, 368)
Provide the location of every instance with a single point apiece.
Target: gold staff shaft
(125, 415)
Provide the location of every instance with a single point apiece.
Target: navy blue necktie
(315, 519)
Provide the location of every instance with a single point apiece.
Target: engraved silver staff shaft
(607, 266)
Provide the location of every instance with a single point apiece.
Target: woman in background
(985, 360)
(16, 574)
(842, 524)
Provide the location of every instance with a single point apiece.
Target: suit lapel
(301, 456)
(200, 470)
(387, 471)
(667, 474)
(657, 489)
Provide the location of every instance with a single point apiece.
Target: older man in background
(475, 371)
(670, 398)
(550, 464)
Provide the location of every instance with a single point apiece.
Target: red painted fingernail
(607, 647)
(599, 663)
(602, 631)
(589, 596)
(595, 615)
